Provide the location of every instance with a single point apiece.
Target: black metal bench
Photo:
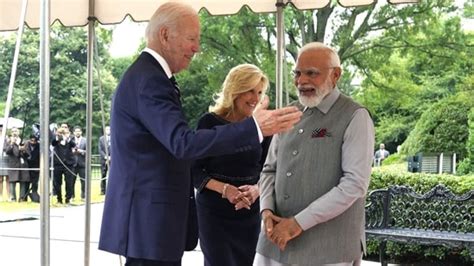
(436, 218)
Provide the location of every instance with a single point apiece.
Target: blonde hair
(167, 15)
(240, 79)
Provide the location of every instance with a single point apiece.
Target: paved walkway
(20, 243)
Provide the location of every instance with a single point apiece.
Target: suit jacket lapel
(149, 57)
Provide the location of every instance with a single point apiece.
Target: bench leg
(382, 246)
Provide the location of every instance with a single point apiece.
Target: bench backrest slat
(438, 209)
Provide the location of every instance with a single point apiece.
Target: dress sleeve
(199, 172)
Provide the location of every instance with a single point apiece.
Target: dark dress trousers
(147, 203)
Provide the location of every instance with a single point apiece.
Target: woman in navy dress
(227, 199)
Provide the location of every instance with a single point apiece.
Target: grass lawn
(6, 206)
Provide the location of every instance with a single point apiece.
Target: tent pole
(280, 23)
(44, 131)
(90, 83)
(6, 114)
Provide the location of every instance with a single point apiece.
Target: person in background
(63, 163)
(79, 153)
(17, 158)
(149, 210)
(227, 203)
(380, 155)
(3, 171)
(105, 159)
(316, 176)
(32, 148)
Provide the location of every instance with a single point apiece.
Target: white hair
(167, 15)
(313, 46)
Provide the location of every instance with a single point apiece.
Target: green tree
(226, 41)
(425, 62)
(443, 127)
(68, 78)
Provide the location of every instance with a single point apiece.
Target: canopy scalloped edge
(74, 13)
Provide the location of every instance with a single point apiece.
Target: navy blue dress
(227, 237)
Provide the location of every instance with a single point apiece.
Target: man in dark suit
(63, 163)
(32, 147)
(104, 151)
(148, 212)
(80, 159)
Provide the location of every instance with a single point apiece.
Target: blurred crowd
(20, 162)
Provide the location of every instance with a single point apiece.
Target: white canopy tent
(12, 122)
(76, 12)
(41, 13)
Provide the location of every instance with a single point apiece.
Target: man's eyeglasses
(312, 72)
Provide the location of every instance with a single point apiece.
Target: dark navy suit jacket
(147, 203)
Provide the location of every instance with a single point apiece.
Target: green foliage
(395, 158)
(119, 65)
(442, 127)
(226, 41)
(384, 177)
(411, 65)
(68, 77)
(470, 142)
(469, 9)
(467, 165)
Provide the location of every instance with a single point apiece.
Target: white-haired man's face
(314, 77)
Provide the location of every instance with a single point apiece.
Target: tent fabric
(12, 122)
(76, 12)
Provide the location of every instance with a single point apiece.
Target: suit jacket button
(288, 174)
(286, 196)
(300, 131)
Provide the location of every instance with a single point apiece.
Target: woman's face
(245, 103)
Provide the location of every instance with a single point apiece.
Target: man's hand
(276, 121)
(284, 231)
(269, 221)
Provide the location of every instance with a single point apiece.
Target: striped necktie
(176, 87)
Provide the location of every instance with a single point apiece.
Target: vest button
(300, 131)
(295, 152)
(288, 174)
(286, 196)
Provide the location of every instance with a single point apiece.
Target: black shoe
(68, 201)
(102, 193)
(60, 201)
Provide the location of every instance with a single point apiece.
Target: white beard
(310, 101)
(321, 92)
